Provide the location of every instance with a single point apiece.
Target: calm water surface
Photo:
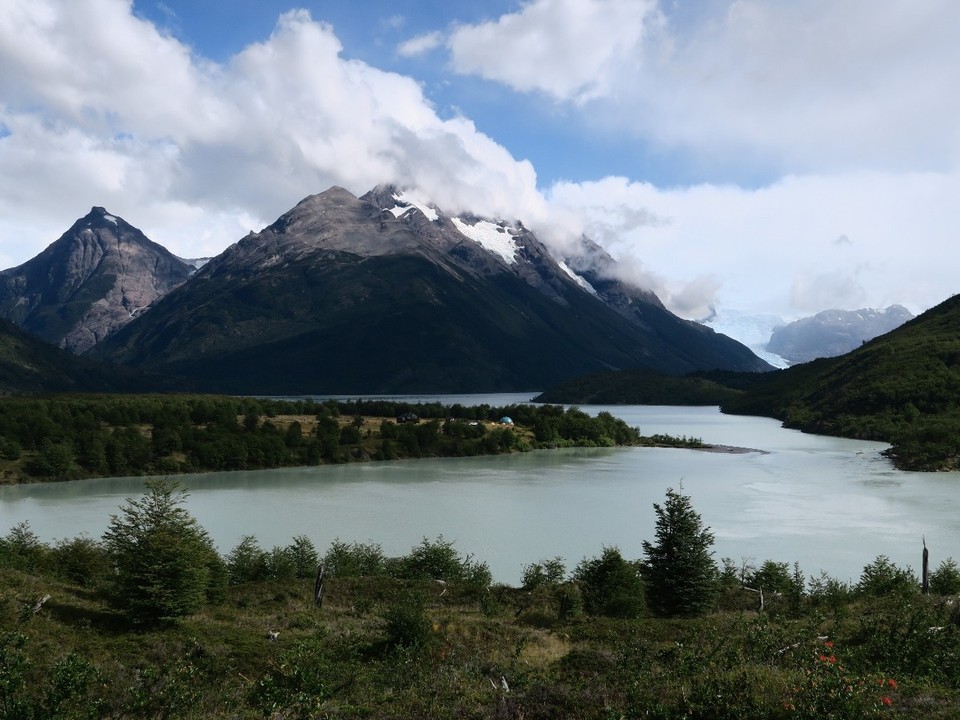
(828, 503)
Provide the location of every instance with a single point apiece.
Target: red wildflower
(892, 683)
(886, 701)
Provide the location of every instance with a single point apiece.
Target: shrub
(354, 559)
(21, 549)
(438, 560)
(883, 577)
(165, 564)
(406, 619)
(303, 555)
(547, 572)
(81, 560)
(610, 585)
(945, 580)
(247, 562)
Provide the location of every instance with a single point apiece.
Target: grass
(496, 652)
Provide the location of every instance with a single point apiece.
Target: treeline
(67, 437)
(643, 387)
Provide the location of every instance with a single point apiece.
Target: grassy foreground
(380, 647)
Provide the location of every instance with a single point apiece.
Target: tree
(681, 577)
(610, 585)
(165, 564)
(945, 580)
(884, 577)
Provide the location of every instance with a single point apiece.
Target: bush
(165, 564)
(438, 560)
(247, 562)
(406, 621)
(883, 577)
(21, 549)
(945, 580)
(354, 560)
(82, 560)
(546, 573)
(610, 585)
(303, 555)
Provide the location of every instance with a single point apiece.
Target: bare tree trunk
(926, 569)
(318, 585)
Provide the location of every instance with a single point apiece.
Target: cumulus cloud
(90, 120)
(790, 87)
(570, 49)
(775, 247)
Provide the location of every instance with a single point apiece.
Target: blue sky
(764, 156)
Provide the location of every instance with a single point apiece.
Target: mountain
(902, 387)
(834, 332)
(383, 294)
(90, 282)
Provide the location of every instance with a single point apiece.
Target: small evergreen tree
(681, 577)
(165, 564)
(945, 580)
(884, 577)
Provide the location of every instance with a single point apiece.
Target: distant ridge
(834, 332)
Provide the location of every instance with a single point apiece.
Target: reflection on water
(827, 503)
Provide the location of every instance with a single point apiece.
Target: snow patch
(110, 218)
(495, 238)
(405, 204)
(577, 279)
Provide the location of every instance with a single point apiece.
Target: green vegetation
(640, 387)
(902, 388)
(76, 436)
(391, 641)
(682, 577)
(165, 566)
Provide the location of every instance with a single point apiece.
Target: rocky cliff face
(93, 280)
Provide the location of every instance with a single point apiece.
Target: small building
(407, 417)
(506, 420)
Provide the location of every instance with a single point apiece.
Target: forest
(149, 621)
(65, 437)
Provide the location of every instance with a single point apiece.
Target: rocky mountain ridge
(384, 294)
(94, 279)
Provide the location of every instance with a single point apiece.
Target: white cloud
(98, 107)
(799, 87)
(420, 45)
(775, 248)
(570, 49)
(102, 109)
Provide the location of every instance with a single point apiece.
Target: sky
(757, 156)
